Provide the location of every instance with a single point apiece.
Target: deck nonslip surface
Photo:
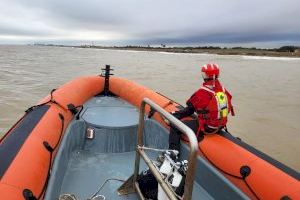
(87, 171)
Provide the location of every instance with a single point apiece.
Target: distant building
(291, 49)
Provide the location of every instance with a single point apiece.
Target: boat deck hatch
(110, 112)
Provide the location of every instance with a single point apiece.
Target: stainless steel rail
(189, 181)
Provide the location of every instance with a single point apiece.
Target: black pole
(106, 84)
(106, 73)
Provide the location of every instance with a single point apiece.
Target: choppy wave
(270, 58)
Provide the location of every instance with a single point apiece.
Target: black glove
(187, 111)
(176, 114)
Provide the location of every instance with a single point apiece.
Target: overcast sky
(268, 23)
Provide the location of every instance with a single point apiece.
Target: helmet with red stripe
(210, 71)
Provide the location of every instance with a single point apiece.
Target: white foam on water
(114, 50)
(185, 53)
(270, 58)
(158, 52)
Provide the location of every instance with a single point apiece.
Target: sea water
(266, 90)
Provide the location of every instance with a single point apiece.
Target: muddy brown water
(266, 91)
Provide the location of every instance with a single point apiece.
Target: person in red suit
(212, 104)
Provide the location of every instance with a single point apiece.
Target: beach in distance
(284, 51)
(265, 89)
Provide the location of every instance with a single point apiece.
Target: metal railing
(189, 181)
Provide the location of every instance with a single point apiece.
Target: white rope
(67, 197)
(100, 188)
(158, 150)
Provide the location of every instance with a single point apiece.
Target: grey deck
(86, 172)
(82, 165)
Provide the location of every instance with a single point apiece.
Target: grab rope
(6, 134)
(49, 101)
(170, 99)
(229, 174)
(52, 101)
(51, 150)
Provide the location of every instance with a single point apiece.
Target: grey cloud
(8, 30)
(170, 21)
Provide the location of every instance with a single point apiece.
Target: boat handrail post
(192, 159)
(139, 141)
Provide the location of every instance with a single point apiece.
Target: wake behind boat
(90, 138)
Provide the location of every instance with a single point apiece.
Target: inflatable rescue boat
(92, 137)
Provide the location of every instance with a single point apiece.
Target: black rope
(251, 189)
(49, 101)
(229, 174)
(51, 150)
(4, 136)
(62, 129)
(235, 176)
(46, 144)
(47, 178)
(181, 106)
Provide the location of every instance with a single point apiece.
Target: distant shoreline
(280, 52)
